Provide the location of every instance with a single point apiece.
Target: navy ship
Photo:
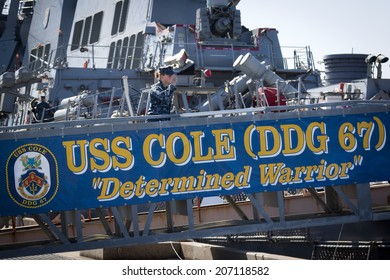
(70, 51)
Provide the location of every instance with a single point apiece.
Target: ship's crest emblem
(32, 176)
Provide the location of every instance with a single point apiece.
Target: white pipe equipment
(221, 95)
(252, 70)
(257, 70)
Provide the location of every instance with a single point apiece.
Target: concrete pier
(179, 250)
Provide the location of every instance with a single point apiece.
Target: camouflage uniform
(41, 107)
(160, 100)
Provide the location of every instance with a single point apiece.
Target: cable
(337, 244)
(177, 254)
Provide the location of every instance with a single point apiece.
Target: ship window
(125, 47)
(39, 57)
(27, 7)
(138, 51)
(115, 23)
(124, 15)
(87, 29)
(111, 55)
(117, 54)
(96, 27)
(78, 27)
(120, 16)
(33, 58)
(130, 52)
(46, 56)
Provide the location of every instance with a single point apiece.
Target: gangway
(99, 183)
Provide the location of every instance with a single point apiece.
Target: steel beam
(75, 233)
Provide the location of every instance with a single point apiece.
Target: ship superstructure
(72, 49)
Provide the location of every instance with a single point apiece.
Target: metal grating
(351, 251)
(275, 235)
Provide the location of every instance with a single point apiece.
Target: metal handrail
(92, 53)
(274, 112)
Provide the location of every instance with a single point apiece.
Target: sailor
(42, 110)
(161, 93)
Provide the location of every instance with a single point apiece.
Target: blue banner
(81, 171)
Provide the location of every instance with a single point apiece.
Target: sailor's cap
(167, 70)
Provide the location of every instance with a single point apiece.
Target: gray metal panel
(171, 12)
(6, 103)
